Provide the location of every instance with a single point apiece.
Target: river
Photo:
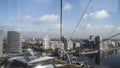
(106, 59)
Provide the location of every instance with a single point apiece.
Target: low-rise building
(56, 44)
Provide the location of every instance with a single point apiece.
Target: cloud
(26, 18)
(107, 26)
(5, 25)
(103, 30)
(119, 28)
(43, 19)
(101, 14)
(8, 27)
(67, 6)
(47, 18)
(54, 27)
(88, 26)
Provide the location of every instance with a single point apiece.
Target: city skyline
(37, 18)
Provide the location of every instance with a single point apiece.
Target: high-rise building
(91, 37)
(46, 41)
(91, 42)
(68, 44)
(14, 42)
(1, 42)
(98, 43)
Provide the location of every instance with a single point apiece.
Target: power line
(112, 36)
(81, 18)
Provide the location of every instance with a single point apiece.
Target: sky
(37, 18)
